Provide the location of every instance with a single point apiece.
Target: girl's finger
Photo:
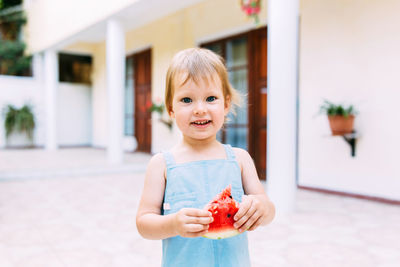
(243, 208)
(194, 228)
(255, 225)
(199, 220)
(197, 212)
(249, 223)
(244, 218)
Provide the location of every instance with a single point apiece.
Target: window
(234, 51)
(129, 126)
(75, 68)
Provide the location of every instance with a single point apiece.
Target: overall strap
(169, 158)
(229, 152)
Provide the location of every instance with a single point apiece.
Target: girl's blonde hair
(195, 64)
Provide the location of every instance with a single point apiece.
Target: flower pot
(130, 143)
(341, 125)
(19, 140)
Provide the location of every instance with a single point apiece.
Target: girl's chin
(201, 137)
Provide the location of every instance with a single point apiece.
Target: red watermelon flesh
(223, 208)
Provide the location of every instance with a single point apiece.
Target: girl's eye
(211, 98)
(186, 100)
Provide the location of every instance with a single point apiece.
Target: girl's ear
(227, 105)
(171, 114)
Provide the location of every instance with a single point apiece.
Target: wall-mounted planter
(341, 121)
(344, 126)
(341, 125)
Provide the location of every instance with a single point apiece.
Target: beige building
(344, 51)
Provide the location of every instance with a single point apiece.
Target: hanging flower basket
(251, 8)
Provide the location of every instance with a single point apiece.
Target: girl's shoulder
(157, 162)
(241, 153)
(157, 159)
(242, 156)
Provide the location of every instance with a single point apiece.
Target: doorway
(138, 99)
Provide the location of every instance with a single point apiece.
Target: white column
(283, 17)
(115, 61)
(38, 67)
(51, 84)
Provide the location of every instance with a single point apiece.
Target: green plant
(20, 120)
(9, 3)
(332, 109)
(159, 108)
(13, 60)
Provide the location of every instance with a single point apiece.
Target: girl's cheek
(216, 108)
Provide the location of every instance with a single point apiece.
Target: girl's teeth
(201, 123)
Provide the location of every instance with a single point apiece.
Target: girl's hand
(251, 213)
(190, 222)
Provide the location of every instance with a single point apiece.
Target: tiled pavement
(21, 164)
(58, 218)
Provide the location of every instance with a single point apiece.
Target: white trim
(228, 33)
(14, 77)
(115, 80)
(125, 15)
(282, 103)
(51, 91)
(74, 38)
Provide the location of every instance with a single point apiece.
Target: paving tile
(89, 220)
(84, 257)
(5, 260)
(44, 259)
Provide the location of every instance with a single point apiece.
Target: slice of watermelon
(223, 208)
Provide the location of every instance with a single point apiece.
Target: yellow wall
(81, 48)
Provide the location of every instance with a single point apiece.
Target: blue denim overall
(194, 184)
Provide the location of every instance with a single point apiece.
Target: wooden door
(258, 99)
(142, 73)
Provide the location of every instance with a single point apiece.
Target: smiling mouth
(201, 122)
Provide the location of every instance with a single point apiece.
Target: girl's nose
(199, 108)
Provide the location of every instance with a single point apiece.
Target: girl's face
(199, 109)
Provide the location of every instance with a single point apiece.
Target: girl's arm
(149, 221)
(256, 209)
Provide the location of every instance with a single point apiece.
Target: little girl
(180, 182)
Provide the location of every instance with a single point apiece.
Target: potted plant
(159, 108)
(341, 118)
(19, 120)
